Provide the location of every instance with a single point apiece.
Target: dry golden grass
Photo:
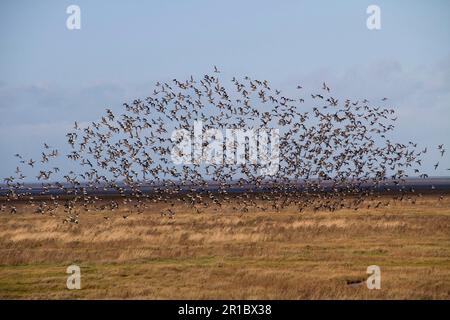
(224, 255)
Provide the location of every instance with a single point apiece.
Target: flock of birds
(331, 150)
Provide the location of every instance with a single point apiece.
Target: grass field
(225, 255)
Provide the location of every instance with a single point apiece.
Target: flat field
(227, 255)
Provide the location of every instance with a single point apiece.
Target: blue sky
(51, 76)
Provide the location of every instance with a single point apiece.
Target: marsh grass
(227, 255)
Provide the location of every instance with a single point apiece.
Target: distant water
(418, 185)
